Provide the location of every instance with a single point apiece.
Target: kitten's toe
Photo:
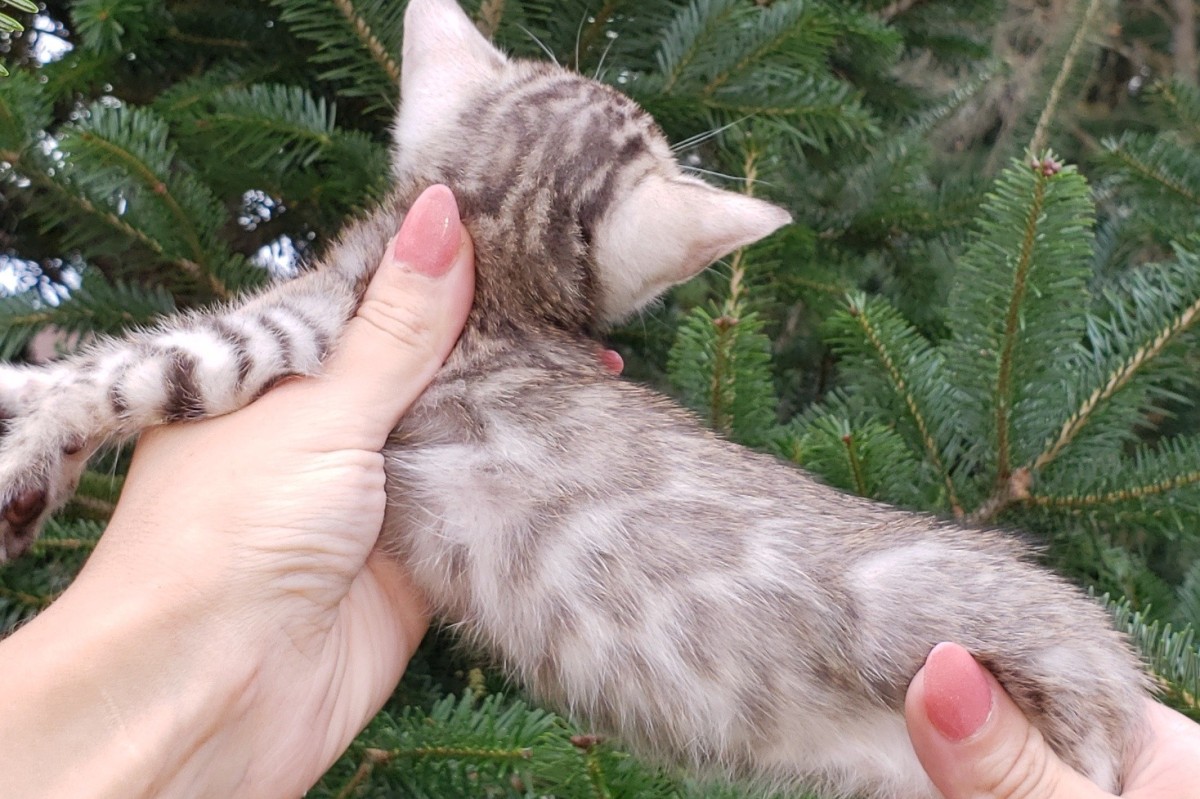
(20, 521)
(24, 508)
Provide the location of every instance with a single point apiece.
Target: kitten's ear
(443, 49)
(667, 231)
(446, 62)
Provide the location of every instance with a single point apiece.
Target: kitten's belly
(740, 620)
(674, 693)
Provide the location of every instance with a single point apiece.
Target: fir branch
(492, 746)
(1038, 141)
(737, 268)
(125, 155)
(1182, 103)
(856, 468)
(861, 455)
(861, 312)
(491, 12)
(95, 307)
(596, 777)
(92, 507)
(1149, 166)
(371, 759)
(369, 40)
(455, 753)
(116, 26)
(40, 179)
(1129, 494)
(270, 127)
(1012, 327)
(718, 400)
(1117, 380)
(721, 367)
(685, 38)
(45, 546)
(1017, 312)
(356, 40)
(730, 347)
(29, 600)
(209, 41)
(890, 12)
(595, 28)
(149, 179)
(1172, 654)
(10, 25)
(1015, 488)
(773, 27)
(25, 111)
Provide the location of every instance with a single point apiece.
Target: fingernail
(431, 234)
(958, 696)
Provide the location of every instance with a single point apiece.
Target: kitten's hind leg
(190, 368)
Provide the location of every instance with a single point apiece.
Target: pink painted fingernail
(958, 696)
(431, 234)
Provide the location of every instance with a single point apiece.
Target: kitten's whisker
(603, 56)
(700, 138)
(540, 44)
(711, 173)
(578, 36)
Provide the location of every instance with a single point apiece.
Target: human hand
(235, 629)
(975, 743)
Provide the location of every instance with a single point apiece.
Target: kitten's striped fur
(711, 606)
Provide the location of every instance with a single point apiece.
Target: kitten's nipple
(612, 361)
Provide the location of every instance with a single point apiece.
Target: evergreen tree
(922, 335)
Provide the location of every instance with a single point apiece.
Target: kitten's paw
(41, 460)
(20, 521)
(34, 481)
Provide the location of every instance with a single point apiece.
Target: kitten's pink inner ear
(715, 222)
(695, 224)
(668, 229)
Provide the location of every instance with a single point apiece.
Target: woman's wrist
(131, 689)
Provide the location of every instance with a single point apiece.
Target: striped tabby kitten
(711, 606)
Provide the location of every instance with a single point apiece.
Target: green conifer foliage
(9, 24)
(1029, 410)
(953, 341)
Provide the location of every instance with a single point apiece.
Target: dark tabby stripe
(320, 337)
(239, 343)
(185, 399)
(116, 397)
(287, 348)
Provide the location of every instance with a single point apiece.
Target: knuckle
(406, 328)
(1028, 774)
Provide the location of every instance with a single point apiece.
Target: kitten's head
(568, 170)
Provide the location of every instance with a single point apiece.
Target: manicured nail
(431, 234)
(958, 696)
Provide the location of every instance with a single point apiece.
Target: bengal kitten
(710, 606)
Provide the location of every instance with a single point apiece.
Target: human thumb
(409, 319)
(975, 743)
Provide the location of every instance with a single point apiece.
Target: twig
(899, 7)
(1038, 142)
